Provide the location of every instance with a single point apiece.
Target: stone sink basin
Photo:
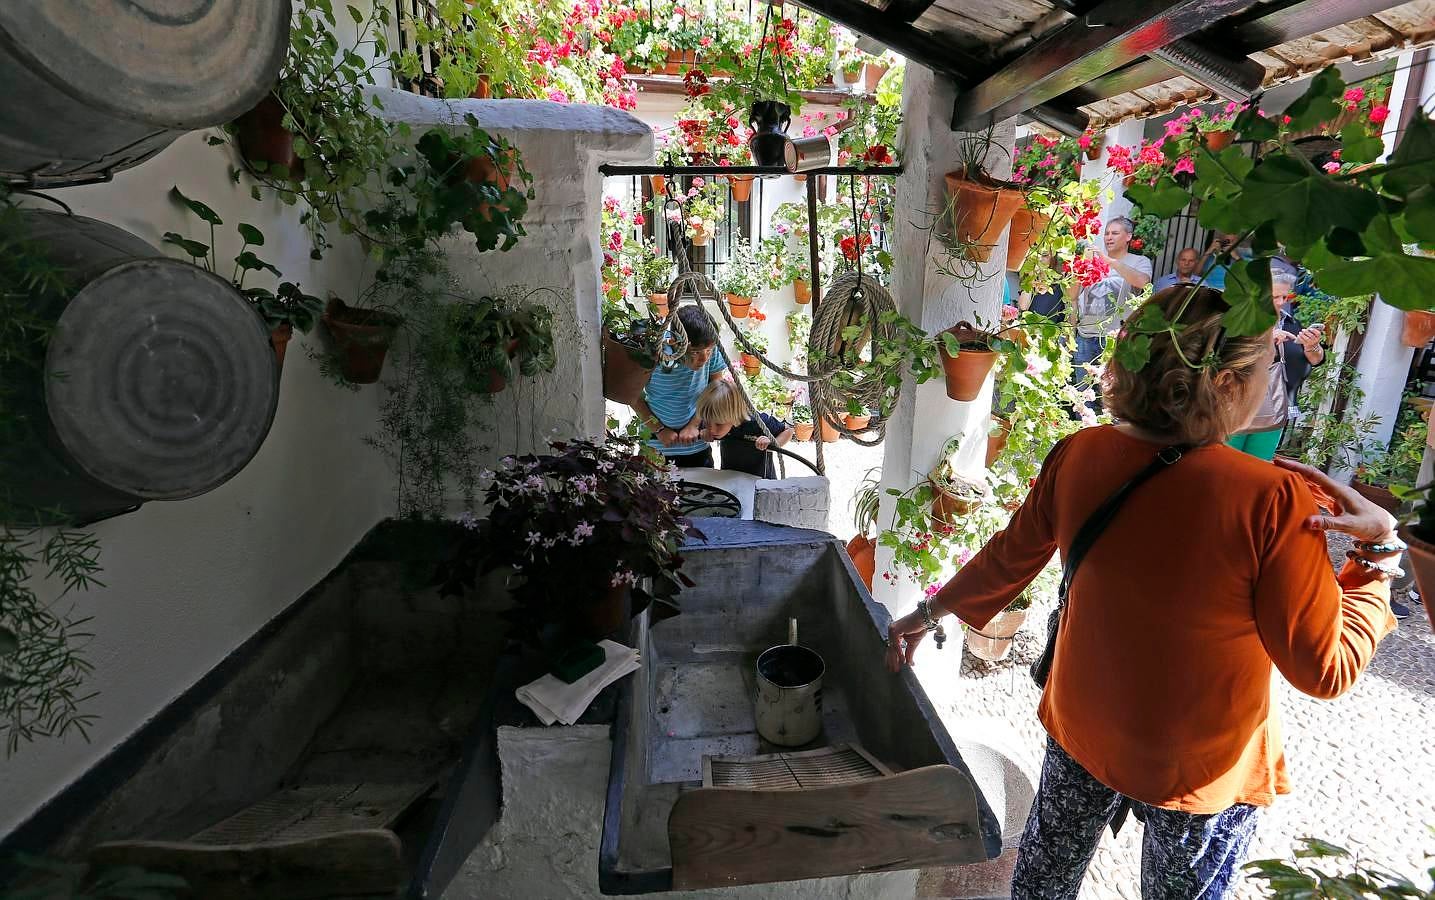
(692, 702)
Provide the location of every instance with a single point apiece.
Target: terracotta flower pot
(801, 292)
(679, 60)
(493, 381)
(966, 371)
(828, 432)
(981, 210)
(1380, 496)
(948, 506)
(996, 440)
(1128, 181)
(856, 423)
(362, 338)
(751, 365)
(263, 138)
(802, 431)
(486, 170)
(484, 91)
(739, 305)
(700, 236)
(872, 76)
(862, 550)
(623, 377)
(741, 186)
(1026, 227)
(1422, 563)
(659, 303)
(1216, 141)
(660, 185)
(1419, 328)
(994, 642)
(1093, 152)
(279, 339)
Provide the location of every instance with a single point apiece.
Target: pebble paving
(1363, 765)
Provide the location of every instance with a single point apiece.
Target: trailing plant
(799, 326)
(1311, 876)
(473, 41)
(1351, 229)
(1399, 462)
(742, 274)
(1348, 314)
(1322, 439)
(654, 270)
(801, 414)
(286, 304)
(43, 672)
(572, 523)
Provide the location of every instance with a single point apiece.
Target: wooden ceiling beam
(1111, 35)
(921, 47)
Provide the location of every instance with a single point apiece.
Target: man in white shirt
(1186, 262)
(1101, 307)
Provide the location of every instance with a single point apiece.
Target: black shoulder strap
(1092, 528)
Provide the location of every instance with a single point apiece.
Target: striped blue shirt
(672, 395)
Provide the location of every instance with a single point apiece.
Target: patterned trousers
(1183, 856)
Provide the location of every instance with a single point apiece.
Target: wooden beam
(921, 47)
(907, 11)
(1111, 35)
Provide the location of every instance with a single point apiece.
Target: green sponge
(577, 661)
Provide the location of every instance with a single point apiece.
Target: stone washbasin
(687, 718)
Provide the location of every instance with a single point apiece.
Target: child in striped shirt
(669, 404)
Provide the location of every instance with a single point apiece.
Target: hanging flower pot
(862, 550)
(624, 377)
(741, 187)
(856, 423)
(952, 499)
(1128, 181)
(966, 371)
(827, 431)
(1093, 152)
(491, 379)
(660, 185)
(801, 292)
(751, 365)
(739, 305)
(484, 169)
(1422, 562)
(279, 339)
(700, 236)
(1026, 226)
(802, 431)
(659, 302)
(981, 210)
(1216, 141)
(483, 91)
(872, 76)
(997, 438)
(362, 338)
(1419, 328)
(263, 139)
(994, 642)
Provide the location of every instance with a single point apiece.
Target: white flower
(622, 578)
(534, 537)
(468, 520)
(533, 483)
(605, 466)
(582, 531)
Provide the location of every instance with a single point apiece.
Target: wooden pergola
(1074, 64)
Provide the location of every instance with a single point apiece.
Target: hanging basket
(741, 186)
(801, 292)
(952, 499)
(739, 306)
(1216, 141)
(1026, 226)
(981, 210)
(1418, 329)
(966, 371)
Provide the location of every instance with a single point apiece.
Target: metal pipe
(815, 280)
(1232, 79)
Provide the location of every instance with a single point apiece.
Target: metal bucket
(158, 382)
(789, 692)
(808, 153)
(95, 86)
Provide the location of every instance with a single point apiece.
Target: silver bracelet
(924, 606)
(1388, 569)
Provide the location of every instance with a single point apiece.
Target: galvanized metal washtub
(96, 86)
(158, 382)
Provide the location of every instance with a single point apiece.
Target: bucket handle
(792, 631)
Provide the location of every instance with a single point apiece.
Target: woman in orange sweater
(1209, 576)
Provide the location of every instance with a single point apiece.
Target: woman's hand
(690, 433)
(667, 436)
(1356, 516)
(903, 636)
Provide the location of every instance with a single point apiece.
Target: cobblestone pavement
(1363, 766)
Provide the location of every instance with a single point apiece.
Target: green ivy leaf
(1415, 155)
(1248, 292)
(1134, 352)
(251, 235)
(1357, 145)
(193, 248)
(199, 209)
(1163, 200)
(1305, 205)
(1318, 103)
(1402, 281)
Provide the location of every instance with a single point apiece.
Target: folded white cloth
(553, 701)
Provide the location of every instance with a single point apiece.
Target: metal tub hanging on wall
(158, 381)
(95, 86)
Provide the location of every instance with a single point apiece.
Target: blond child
(744, 447)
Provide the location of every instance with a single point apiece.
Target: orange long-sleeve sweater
(1205, 580)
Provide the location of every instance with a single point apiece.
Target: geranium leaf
(1222, 173)
(1248, 292)
(193, 248)
(199, 209)
(1163, 200)
(1420, 213)
(1304, 205)
(1402, 281)
(1415, 158)
(1357, 145)
(1252, 126)
(1221, 214)
(1134, 352)
(1318, 103)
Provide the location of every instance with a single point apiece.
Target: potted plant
(857, 417)
(1398, 465)
(802, 421)
(699, 212)
(967, 356)
(751, 364)
(492, 341)
(630, 348)
(1027, 226)
(952, 495)
(1217, 130)
(981, 207)
(994, 641)
(655, 275)
(1418, 328)
(1090, 143)
(588, 533)
(474, 47)
(362, 338)
(741, 278)
(862, 549)
(997, 436)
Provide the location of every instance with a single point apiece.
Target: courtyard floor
(1363, 766)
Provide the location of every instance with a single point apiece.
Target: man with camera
(1101, 307)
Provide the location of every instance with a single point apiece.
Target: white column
(1128, 134)
(925, 418)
